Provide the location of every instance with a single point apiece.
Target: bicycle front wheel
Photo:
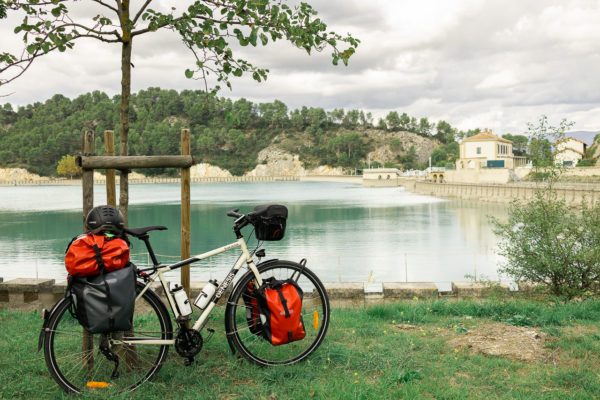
(77, 363)
(315, 314)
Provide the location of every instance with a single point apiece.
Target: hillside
(225, 133)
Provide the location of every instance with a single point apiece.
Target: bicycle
(82, 362)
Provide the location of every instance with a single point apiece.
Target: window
(479, 150)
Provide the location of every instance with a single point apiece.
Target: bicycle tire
(315, 312)
(78, 371)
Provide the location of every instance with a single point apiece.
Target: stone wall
(571, 194)
(33, 294)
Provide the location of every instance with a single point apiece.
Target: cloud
(493, 63)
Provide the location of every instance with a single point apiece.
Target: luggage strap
(283, 302)
(101, 265)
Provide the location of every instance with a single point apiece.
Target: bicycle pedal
(211, 332)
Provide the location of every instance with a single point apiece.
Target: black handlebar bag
(104, 303)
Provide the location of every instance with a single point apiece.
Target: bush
(548, 243)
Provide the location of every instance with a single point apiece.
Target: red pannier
(86, 253)
(252, 312)
(280, 306)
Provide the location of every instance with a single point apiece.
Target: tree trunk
(125, 97)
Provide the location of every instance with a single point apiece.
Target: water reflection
(347, 232)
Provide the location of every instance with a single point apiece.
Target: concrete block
(373, 292)
(409, 290)
(345, 290)
(24, 290)
(477, 289)
(58, 290)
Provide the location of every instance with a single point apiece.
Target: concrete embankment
(572, 194)
(33, 294)
(224, 179)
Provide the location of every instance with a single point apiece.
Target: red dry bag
(280, 305)
(89, 254)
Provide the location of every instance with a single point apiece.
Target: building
(380, 177)
(486, 150)
(486, 158)
(569, 151)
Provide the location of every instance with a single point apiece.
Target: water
(347, 232)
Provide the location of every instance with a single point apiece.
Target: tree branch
(106, 5)
(139, 13)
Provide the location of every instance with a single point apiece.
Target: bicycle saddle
(137, 232)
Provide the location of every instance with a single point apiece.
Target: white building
(476, 151)
(569, 151)
(380, 177)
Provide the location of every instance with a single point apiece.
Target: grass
(364, 356)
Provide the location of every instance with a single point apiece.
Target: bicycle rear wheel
(77, 364)
(315, 314)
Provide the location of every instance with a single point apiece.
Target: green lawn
(412, 349)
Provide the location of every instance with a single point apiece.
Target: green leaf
(189, 73)
(252, 37)
(238, 72)
(31, 48)
(264, 39)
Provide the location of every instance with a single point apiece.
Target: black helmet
(104, 218)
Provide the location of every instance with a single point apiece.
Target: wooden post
(109, 150)
(185, 210)
(124, 193)
(87, 179)
(87, 183)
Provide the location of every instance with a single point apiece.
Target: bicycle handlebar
(234, 213)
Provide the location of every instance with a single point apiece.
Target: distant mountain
(584, 136)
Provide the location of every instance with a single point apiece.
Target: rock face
(205, 170)
(383, 153)
(19, 174)
(325, 170)
(276, 162)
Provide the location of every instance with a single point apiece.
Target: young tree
(206, 27)
(67, 167)
(546, 242)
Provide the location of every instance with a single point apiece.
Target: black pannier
(105, 302)
(269, 221)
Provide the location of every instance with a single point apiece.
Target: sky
(495, 64)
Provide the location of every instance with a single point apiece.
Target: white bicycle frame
(245, 257)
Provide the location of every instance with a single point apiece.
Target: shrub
(548, 243)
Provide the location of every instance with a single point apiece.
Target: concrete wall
(572, 195)
(484, 175)
(33, 294)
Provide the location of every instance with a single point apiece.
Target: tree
(544, 241)
(424, 128)
(444, 132)
(68, 167)
(393, 121)
(409, 159)
(206, 27)
(520, 143)
(549, 244)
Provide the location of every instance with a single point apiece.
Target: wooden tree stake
(185, 210)
(109, 150)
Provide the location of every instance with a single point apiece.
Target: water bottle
(181, 299)
(206, 294)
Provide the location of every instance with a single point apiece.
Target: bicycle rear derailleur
(188, 343)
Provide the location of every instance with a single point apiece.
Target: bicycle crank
(188, 343)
